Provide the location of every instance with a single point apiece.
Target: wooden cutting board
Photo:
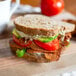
(11, 65)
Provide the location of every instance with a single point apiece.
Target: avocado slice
(15, 33)
(48, 39)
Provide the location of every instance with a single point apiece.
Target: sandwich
(38, 38)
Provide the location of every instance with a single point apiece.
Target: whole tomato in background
(51, 7)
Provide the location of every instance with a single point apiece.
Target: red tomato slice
(51, 46)
(20, 42)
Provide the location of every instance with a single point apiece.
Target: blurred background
(70, 5)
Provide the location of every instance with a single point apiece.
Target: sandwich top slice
(39, 38)
(41, 25)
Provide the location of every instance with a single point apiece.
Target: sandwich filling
(40, 44)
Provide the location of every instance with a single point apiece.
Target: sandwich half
(38, 38)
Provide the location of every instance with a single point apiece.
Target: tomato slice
(20, 42)
(50, 46)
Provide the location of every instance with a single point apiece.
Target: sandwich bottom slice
(35, 53)
(37, 38)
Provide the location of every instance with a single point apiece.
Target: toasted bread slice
(73, 22)
(41, 25)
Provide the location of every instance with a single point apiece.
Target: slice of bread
(73, 22)
(41, 25)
